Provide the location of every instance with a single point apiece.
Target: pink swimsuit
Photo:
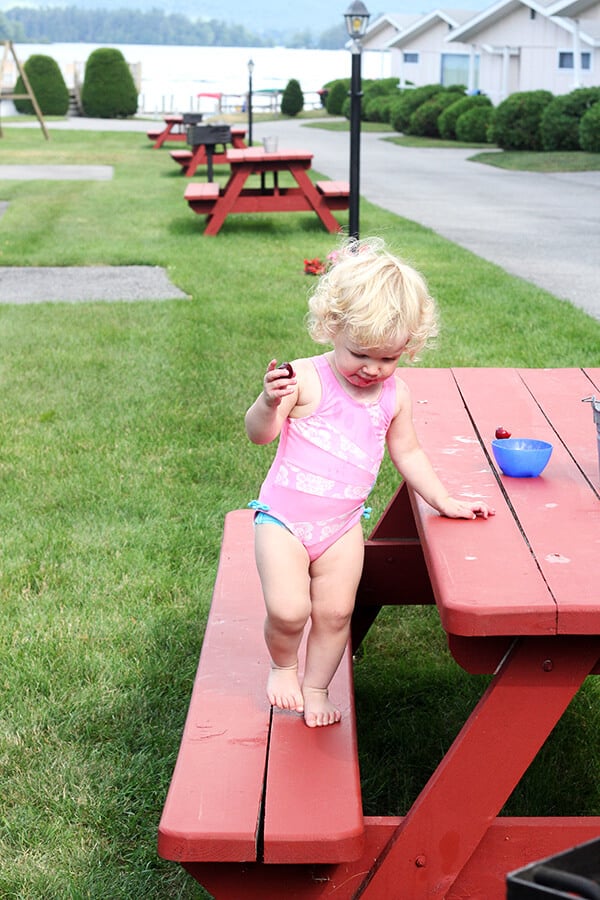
(327, 463)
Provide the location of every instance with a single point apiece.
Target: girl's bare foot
(283, 688)
(318, 709)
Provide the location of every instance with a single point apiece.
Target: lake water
(171, 78)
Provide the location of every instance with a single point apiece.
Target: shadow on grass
(412, 699)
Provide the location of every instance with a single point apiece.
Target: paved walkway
(544, 228)
(77, 284)
(56, 173)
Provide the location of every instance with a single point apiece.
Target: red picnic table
(175, 128)
(203, 139)
(236, 197)
(519, 599)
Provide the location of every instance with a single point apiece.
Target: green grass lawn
(121, 449)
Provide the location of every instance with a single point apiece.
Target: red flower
(314, 266)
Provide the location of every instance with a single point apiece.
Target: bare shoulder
(309, 387)
(403, 397)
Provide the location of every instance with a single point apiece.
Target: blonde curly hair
(374, 298)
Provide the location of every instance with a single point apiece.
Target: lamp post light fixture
(250, 71)
(357, 19)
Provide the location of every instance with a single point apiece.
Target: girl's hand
(463, 509)
(278, 383)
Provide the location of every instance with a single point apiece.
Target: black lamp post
(357, 19)
(250, 71)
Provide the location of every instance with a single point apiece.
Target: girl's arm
(273, 405)
(413, 464)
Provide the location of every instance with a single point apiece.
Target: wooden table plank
(558, 511)
(484, 578)
(559, 393)
(197, 823)
(321, 763)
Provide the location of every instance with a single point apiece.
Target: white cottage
(526, 45)
(378, 36)
(421, 55)
(513, 45)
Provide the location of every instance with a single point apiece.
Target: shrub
(377, 109)
(560, 119)
(449, 117)
(108, 90)
(516, 121)
(378, 96)
(424, 120)
(48, 85)
(409, 101)
(473, 125)
(338, 92)
(292, 101)
(589, 130)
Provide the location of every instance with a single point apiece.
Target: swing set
(29, 95)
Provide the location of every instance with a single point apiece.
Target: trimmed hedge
(378, 109)
(292, 100)
(473, 126)
(516, 121)
(108, 90)
(560, 119)
(589, 130)
(378, 97)
(449, 117)
(408, 102)
(48, 85)
(338, 93)
(424, 121)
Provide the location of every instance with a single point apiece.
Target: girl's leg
(334, 581)
(282, 564)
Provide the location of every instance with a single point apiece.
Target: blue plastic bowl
(522, 457)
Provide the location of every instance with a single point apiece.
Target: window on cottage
(410, 57)
(455, 69)
(566, 60)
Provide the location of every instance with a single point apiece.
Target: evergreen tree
(48, 85)
(292, 101)
(108, 90)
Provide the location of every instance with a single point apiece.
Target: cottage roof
(398, 21)
(492, 14)
(572, 8)
(452, 17)
(589, 29)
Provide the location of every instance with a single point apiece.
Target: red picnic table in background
(237, 197)
(203, 140)
(518, 596)
(175, 128)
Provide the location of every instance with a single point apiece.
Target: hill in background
(260, 16)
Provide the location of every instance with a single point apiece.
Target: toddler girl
(334, 415)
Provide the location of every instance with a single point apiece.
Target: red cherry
(288, 366)
(502, 433)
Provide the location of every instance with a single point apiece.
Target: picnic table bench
(175, 128)
(203, 147)
(252, 784)
(237, 197)
(262, 807)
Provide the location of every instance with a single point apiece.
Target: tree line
(74, 25)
